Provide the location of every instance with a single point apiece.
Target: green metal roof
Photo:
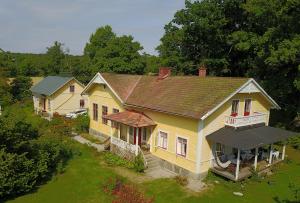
(49, 85)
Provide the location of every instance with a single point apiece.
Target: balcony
(240, 121)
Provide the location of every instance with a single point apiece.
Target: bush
(115, 160)
(138, 164)
(82, 123)
(294, 142)
(181, 180)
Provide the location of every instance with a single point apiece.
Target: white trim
(158, 140)
(251, 101)
(199, 145)
(104, 82)
(238, 106)
(275, 105)
(187, 146)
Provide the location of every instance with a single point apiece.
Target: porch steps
(152, 162)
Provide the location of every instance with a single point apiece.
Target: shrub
(181, 180)
(82, 123)
(138, 164)
(115, 160)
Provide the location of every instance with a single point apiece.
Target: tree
(110, 53)
(20, 87)
(55, 55)
(5, 96)
(254, 38)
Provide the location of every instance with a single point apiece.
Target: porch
(131, 132)
(240, 152)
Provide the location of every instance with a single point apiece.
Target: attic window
(72, 88)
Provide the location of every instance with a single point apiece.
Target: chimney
(202, 71)
(164, 72)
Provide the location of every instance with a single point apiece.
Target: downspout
(199, 146)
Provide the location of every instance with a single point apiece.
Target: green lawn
(84, 176)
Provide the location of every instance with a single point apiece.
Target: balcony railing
(239, 121)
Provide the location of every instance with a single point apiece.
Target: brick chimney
(202, 71)
(164, 72)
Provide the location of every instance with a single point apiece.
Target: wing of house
(175, 118)
(55, 94)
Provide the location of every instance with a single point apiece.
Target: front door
(44, 104)
(139, 135)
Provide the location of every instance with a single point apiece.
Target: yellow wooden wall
(101, 95)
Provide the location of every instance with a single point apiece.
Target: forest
(258, 39)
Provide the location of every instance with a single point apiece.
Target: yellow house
(55, 94)
(179, 122)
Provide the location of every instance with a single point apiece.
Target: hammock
(221, 164)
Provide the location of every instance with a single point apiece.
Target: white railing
(240, 121)
(122, 144)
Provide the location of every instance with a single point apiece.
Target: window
(113, 123)
(163, 140)
(247, 107)
(235, 108)
(72, 88)
(95, 112)
(144, 135)
(104, 113)
(81, 103)
(181, 146)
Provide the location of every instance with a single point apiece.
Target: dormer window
(247, 108)
(235, 108)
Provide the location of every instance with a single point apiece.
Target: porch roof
(245, 138)
(131, 118)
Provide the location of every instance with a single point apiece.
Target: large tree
(111, 53)
(254, 38)
(56, 55)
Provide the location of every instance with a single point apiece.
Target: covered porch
(131, 131)
(240, 152)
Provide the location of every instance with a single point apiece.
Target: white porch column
(119, 130)
(255, 159)
(283, 152)
(151, 139)
(136, 141)
(127, 128)
(271, 154)
(237, 169)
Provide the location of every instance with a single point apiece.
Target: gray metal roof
(245, 138)
(49, 85)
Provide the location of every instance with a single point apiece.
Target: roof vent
(202, 71)
(164, 72)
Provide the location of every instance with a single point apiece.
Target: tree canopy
(254, 38)
(111, 53)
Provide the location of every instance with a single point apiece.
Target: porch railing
(123, 145)
(240, 121)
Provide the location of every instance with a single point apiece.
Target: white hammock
(221, 164)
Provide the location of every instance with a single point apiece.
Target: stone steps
(152, 162)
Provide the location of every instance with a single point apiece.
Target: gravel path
(82, 140)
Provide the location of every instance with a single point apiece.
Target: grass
(91, 138)
(85, 175)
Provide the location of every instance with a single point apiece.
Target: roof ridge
(133, 88)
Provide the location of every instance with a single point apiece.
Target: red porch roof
(131, 118)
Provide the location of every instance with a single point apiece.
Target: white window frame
(158, 140)
(238, 106)
(187, 146)
(250, 105)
